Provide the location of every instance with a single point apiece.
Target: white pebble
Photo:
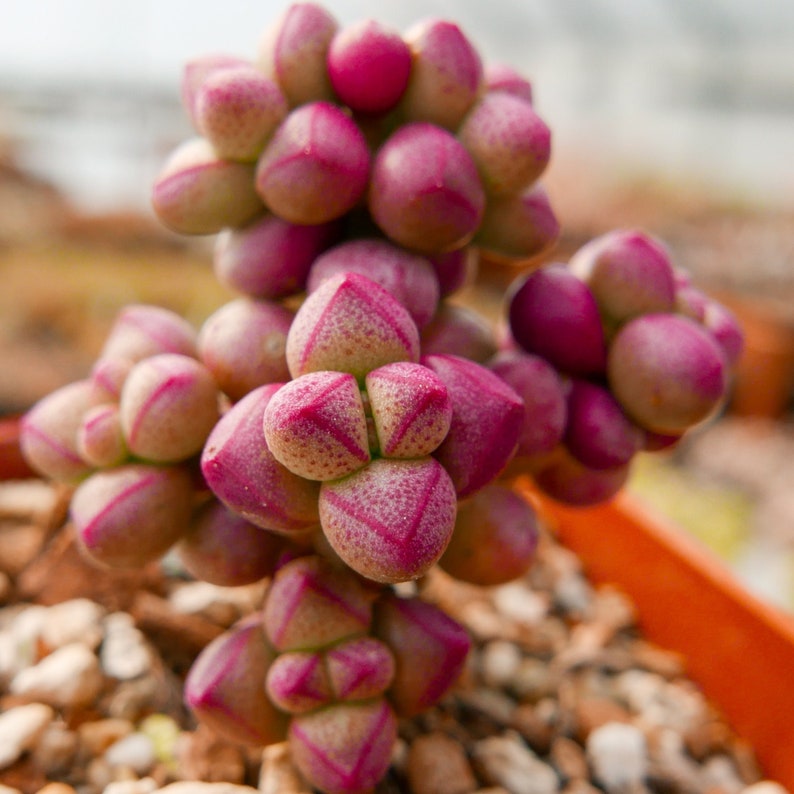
(20, 729)
(19, 640)
(78, 620)
(199, 787)
(720, 772)
(8, 789)
(765, 787)
(145, 785)
(69, 676)
(136, 751)
(499, 663)
(125, 654)
(507, 761)
(278, 774)
(618, 755)
(521, 603)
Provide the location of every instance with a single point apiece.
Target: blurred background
(676, 116)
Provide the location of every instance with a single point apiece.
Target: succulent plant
(345, 423)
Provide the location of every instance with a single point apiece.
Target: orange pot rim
(736, 647)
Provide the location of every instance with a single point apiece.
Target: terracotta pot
(739, 649)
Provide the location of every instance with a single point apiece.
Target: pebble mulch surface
(562, 693)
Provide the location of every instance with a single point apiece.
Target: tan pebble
(666, 663)
(76, 620)
(613, 608)
(507, 761)
(534, 727)
(437, 764)
(205, 599)
(6, 587)
(765, 787)
(278, 774)
(499, 663)
(19, 546)
(35, 500)
(705, 738)
(9, 789)
(591, 712)
(203, 755)
(98, 773)
(719, 771)
(568, 758)
(56, 788)
(490, 703)
(669, 762)
(519, 602)
(55, 750)
(20, 729)
(200, 787)
(96, 736)
(69, 676)
(533, 679)
(145, 785)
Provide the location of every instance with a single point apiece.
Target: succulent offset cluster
(613, 354)
(343, 426)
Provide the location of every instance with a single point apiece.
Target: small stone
(618, 755)
(98, 774)
(205, 599)
(593, 711)
(534, 726)
(199, 787)
(278, 774)
(20, 729)
(506, 761)
(568, 758)
(97, 735)
(19, 640)
(6, 587)
(77, 620)
(573, 594)
(765, 787)
(203, 755)
(34, 500)
(521, 603)
(125, 653)
(9, 790)
(437, 764)
(720, 772)
(499, 663)
(19, 545)
(533, 680)
(69, 676)
(669, 763)
(145, 785)
(55, 750)
(134, 751)
(658, 702)
(56, 788)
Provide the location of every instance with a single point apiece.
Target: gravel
(561, 692)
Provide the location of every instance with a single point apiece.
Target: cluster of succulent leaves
(345, 425)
